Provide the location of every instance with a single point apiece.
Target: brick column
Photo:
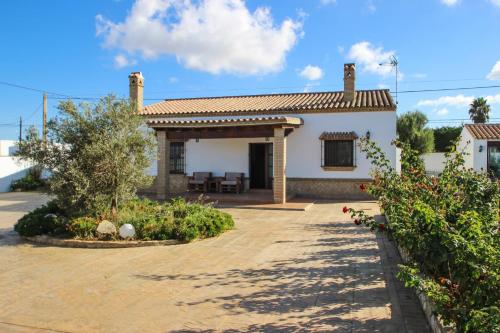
(163, 165)
(279, 166)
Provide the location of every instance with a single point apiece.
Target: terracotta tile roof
(338, 136)
(271, 120)
(364, 100)
(484, 131)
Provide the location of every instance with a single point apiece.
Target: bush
(42, 221)
(177, 219)
(83, 227)
(32, 181)
(449, 227)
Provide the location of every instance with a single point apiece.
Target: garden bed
(98, 244)
(137, 223)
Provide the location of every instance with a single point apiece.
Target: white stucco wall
(474, 159)
(466, 145)
(303, 146)
(434, 162)
(7, 147)
(219, 155)
(11, 168)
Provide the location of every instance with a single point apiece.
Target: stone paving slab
(283, 271)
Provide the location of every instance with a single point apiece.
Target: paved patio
(288, 271)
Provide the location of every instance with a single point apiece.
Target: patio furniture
(199, 181)
(232, 182)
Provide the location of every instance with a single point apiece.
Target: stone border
(97, 244)
(437, 326)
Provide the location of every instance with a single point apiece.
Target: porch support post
(163, 165)
(279, 166)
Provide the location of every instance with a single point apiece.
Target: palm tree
(479, 111)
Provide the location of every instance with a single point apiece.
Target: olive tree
(96, 154)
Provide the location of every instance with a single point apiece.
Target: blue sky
(229, 47)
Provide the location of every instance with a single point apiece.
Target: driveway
(277, 271)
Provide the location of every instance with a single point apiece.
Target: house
(303, 144)
(481, 143)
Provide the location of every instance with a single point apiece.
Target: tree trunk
(114, 208)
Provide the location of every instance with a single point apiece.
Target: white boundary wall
(11, 167)
(434, 162)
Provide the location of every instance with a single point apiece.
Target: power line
(31, 88)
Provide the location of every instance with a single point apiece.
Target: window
(176, 157)
(338, 153)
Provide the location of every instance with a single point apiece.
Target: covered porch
(268, 129)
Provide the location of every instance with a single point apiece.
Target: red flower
(345, 209)
(357, 222)
(381, 227)
(362, 187)
(442, 280)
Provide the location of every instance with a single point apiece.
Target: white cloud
(383, 86)
(494, 74)
(312, 73)
(328, 2)
(495, 2)
(458, 100)
(173, 79)
(442, 112)
(310, 86)
(419, 75)
(371, 6)
(450, 3)
(341, 49)
(121, 61)
(214, 36)
(370, 58)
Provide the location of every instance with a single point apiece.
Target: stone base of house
(319, 188)
(341, 189)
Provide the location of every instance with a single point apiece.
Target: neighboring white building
(301, 143)
(481, 142)
(11, 168)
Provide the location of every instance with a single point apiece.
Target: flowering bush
(448, 225)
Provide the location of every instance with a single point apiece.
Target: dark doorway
(261, 165)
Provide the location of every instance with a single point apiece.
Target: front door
(494, 158)
(261, 165)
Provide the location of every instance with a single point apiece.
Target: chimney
(349, 82)
(136, 87)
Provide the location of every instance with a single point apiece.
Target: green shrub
(40, 221)
(152, 220)
(449, 227)
(194, 220)
(83, 227)
(32, 181)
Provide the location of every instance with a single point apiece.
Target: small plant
(48, 219)
(32, 181)
(83, 227)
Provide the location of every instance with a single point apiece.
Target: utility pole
(20, 129)
(45, 118)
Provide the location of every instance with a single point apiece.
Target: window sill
(338, 168)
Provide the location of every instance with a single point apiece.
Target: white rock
(127, 231)
(106, 228)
